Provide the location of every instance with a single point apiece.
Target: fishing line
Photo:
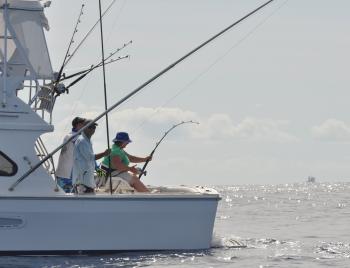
(73, 111)
(201, 74)
(81, 95)
(210, 67)
(205, 71)
(115, 21)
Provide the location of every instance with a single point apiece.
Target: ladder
(42, 152)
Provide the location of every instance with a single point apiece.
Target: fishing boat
(36, 216)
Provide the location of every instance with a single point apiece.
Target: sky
(271, 95)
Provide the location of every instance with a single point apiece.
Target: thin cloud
(332, 130)
(251, 129)
(147, 123)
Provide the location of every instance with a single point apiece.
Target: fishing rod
(132, 93)
(69, 55)
(93, 67)
(89, 32)
(143, 170)
(69, 46)
(86, 72)
(101, 62)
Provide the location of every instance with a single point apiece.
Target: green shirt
(116, 151)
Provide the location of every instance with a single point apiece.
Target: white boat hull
(106, 223)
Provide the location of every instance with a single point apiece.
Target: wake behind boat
(36, 216)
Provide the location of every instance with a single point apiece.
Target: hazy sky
(271, 95)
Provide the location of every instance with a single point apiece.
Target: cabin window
(7, 166)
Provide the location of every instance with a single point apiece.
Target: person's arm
(137, 159)
(120, 166)
(65, 147)
(100, 155)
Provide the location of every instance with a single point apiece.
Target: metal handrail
(42, 152)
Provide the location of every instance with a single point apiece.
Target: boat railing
(39, 96)
(42, 152)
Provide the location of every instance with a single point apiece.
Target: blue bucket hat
(122, 136)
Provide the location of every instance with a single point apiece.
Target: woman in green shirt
(118, 162)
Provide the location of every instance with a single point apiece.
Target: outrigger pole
(132, 93)
(105, 90)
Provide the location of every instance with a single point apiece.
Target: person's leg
(138, 185)
(65, 184)
(82, 189)
(133, 181)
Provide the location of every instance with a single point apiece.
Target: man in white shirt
(84, 161)
(65, 160)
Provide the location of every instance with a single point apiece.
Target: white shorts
(124, 175)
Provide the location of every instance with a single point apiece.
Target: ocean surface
(290, 225)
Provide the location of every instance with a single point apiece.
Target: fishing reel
(60, 89)
(140, 171)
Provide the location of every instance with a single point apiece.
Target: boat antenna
(89, 32)
(142, 172)
(132, 93)
(105, 89)
(67, 56)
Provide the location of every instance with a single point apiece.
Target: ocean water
(290, 225)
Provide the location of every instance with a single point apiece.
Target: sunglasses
(92, 127)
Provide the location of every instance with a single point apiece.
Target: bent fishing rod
(132, 93)
(143, 170)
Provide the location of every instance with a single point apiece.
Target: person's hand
(107, 152)
(134, 170)
(148, 158)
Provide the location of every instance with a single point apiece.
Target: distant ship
(311, 179)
